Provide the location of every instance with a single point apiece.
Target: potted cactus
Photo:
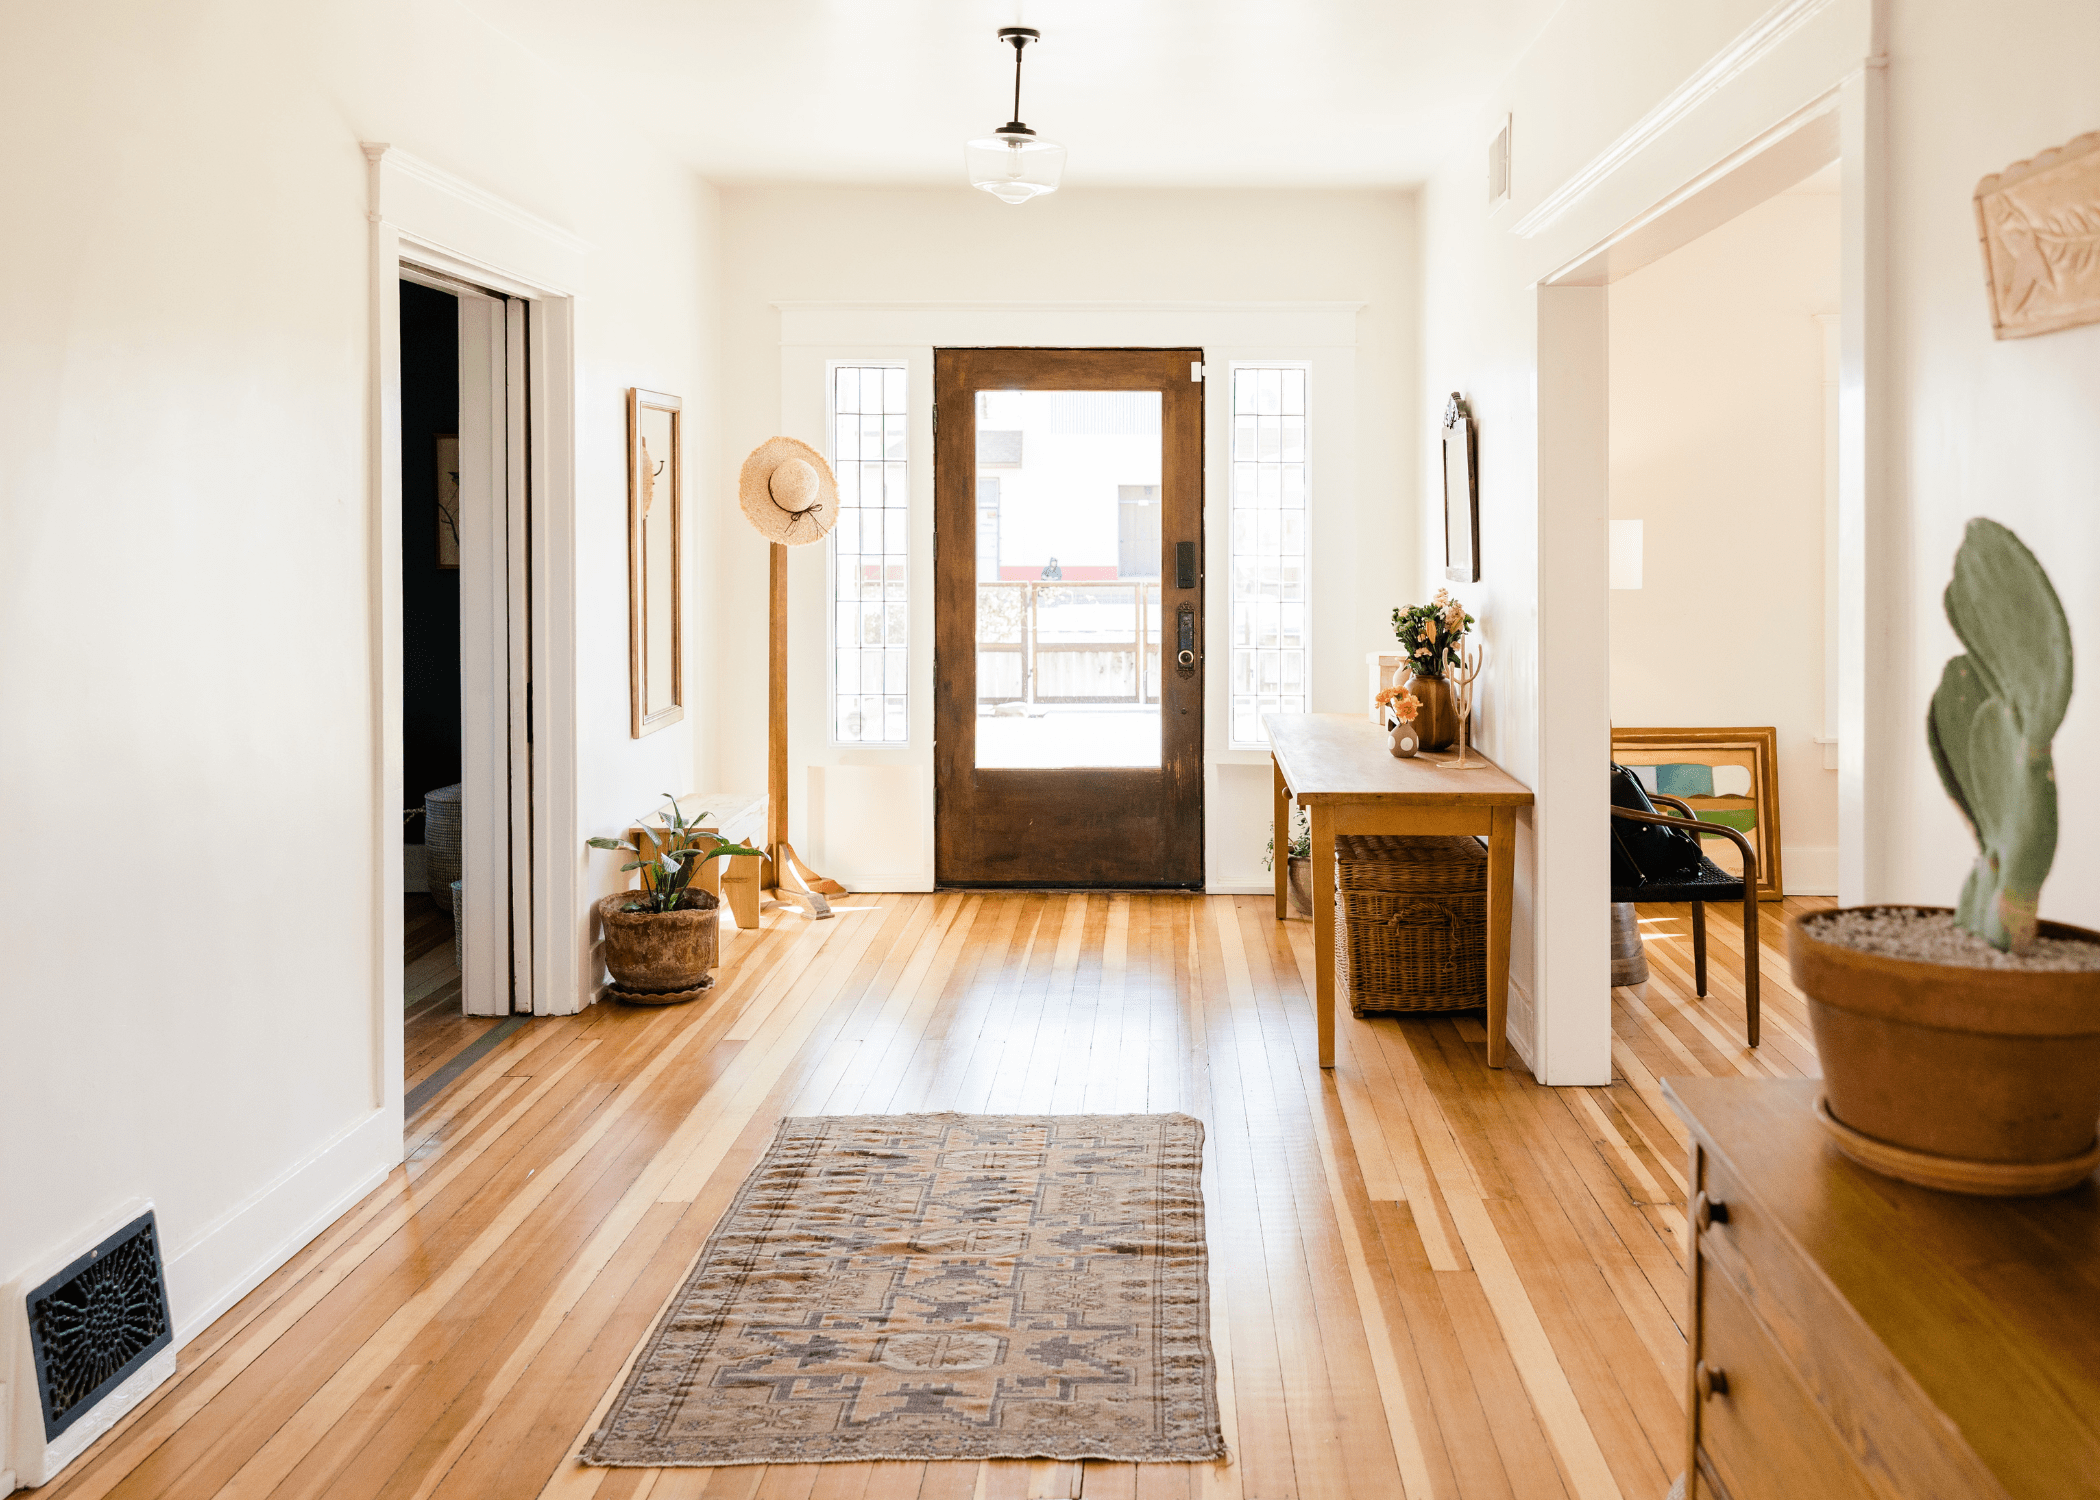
(1961, 1049)
(661, 939)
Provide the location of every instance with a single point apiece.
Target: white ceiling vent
(1498, 166)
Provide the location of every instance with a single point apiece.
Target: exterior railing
(1048, 642)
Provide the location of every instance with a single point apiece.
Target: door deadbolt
(1185, 639)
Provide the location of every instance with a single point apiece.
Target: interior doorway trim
(421, 217)
(1697, 167)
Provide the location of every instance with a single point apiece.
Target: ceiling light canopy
(1015, 164)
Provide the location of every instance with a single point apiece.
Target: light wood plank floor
(1430, 1279)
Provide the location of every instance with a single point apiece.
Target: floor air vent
(97, 1321)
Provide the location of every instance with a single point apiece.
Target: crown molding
(1761, 38)
(392, 160)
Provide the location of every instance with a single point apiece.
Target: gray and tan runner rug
(941, 1287)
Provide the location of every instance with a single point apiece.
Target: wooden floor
(1430, 1279)
(435, 1031)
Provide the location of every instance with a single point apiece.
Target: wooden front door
(1068, 637)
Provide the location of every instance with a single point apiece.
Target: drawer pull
(1709, 1381)
(1707, 1212)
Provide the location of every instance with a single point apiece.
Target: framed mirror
(1461, 495)
(655, 481)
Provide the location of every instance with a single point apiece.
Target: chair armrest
(1697, 826)
(1677, 802)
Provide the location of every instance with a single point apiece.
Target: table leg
(1323, 928)
(1502, 871)
(1280, 849)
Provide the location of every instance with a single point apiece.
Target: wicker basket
(441, 840)
(1410, 923)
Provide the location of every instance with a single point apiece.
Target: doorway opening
(465, 740)
(1068, 659)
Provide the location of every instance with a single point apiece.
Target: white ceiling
(1153, 92)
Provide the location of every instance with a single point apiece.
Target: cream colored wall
(949, 246)
(188, 756)
(1585, 164)
(1717, 446)
(2004, 430)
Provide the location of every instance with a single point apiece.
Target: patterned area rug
(936, 1287)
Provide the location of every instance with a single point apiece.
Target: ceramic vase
(1402, 739)
(1436, 721)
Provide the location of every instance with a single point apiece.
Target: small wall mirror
(1461, 495)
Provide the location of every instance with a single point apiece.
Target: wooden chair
(1709, 882)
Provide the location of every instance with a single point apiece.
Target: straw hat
(787, 492)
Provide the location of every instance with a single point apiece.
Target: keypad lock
(1185, 640)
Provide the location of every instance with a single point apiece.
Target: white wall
(2004, 430)
(194, 986)
(1717, 446)
(895, 248)
(1604, 131)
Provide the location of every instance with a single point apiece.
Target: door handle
(1185, 639)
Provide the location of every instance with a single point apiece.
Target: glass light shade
(1014, 168)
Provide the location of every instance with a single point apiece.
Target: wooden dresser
(1857, 1337)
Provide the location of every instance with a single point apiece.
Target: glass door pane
(1068, 578)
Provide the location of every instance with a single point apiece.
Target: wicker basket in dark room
(1410, 923)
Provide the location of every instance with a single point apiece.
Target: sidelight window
(1268, 548)
(869, 609)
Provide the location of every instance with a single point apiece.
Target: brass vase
(1437, 719)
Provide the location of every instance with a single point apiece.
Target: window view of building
(1068, 569)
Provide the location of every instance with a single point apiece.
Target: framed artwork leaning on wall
(655, 582)
(1728, 776)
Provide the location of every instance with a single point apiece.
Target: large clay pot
(660, 951)
(1969, 1080)
(1436, 721)
(1299, 876)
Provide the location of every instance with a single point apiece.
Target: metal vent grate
(97, 1321)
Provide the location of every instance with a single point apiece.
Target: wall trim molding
(1298, 325)
(479, 199)
(1761, 38)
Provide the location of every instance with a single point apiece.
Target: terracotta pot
(1299, 876)
(1437, 719)
(663, 951)
(1969, 1080)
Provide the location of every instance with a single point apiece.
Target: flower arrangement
(1433, 634)
(1400, 703)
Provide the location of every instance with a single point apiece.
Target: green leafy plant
(1301, 839)
(1432, 634)
(1991, 723)
(679, 850)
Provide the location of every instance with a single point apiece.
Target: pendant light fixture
(1015, 164)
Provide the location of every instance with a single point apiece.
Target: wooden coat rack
(783, 872)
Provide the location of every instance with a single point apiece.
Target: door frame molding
(815, 335)
(427, 218)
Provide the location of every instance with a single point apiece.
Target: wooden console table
(1856, 1338)
(1338, 767)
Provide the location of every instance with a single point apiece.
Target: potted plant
(661, 939)
(1433, 638)
(1402, 738)
(1298, 873)
(1961, 1049)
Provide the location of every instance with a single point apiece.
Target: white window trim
(1232, 369)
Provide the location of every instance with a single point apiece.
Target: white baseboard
(1265, 887)
(1520, 1025)
(235, 1253)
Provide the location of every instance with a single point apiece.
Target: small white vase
(1402, 739)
